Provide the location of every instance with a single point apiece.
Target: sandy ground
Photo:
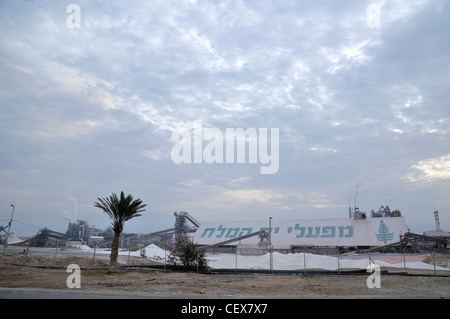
(47, 272)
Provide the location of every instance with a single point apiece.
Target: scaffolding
(181, 226)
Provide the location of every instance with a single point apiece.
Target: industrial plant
(382, 230)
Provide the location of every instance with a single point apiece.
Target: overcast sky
(361, 102)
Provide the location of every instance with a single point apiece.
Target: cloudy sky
(359, 91)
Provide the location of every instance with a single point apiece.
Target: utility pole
(9, 228)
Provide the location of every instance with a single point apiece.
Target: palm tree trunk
(114, 251)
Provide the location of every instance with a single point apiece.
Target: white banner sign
(326, 232)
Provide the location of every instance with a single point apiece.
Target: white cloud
(394, 12)
(323, 149)
(431, 170)
(156, 154)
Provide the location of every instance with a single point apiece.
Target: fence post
(304, 262)
(404, 260)
(434, 263)
(28, 246)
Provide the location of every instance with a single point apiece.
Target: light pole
(9, 228)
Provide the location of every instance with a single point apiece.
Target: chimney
(436, 218)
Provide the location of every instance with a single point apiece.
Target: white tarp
(327, 232)
(13, 239)
(310, 261)
(291, 261)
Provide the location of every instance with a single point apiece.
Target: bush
(187, 256)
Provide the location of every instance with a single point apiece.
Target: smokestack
(436, 218)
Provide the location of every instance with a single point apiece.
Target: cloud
(431, 170)
(94, 107)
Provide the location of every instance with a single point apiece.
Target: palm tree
(119, 210)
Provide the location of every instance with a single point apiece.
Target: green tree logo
(384, 234)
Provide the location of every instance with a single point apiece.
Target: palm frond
(121, 210)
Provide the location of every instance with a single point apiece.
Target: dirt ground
(47, 272)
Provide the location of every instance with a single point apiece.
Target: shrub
(188, 256)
